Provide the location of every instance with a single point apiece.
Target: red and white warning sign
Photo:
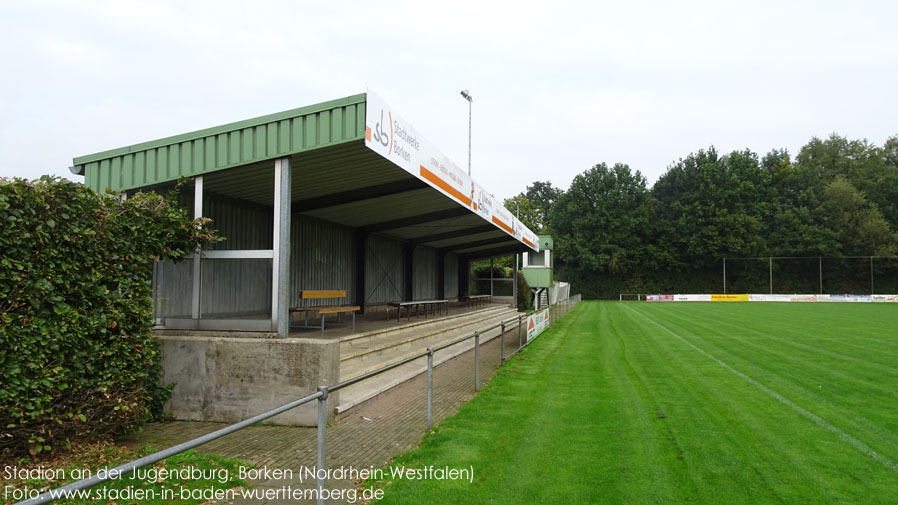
(536, 323)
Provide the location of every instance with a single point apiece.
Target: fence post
(502, 344)
(520, 327)
(476, 361)
(429, 388)
(322, 432)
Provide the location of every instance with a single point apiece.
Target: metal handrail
(321, 395)
(349, 382)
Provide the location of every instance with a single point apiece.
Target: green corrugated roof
(220, 147)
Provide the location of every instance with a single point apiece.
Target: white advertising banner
(536, 323)
(387, 134)
(770, 298)
(783, 298)
(850, 298)
(692, 298)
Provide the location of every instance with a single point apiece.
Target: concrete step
(361, 359)
(382, 339)
(351, 344)
(368, 389)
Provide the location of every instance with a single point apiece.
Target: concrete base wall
(231, 379)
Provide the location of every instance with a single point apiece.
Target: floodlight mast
(467, 96)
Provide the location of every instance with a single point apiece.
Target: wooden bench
(307, 295)
(433, 305)
(473, 300)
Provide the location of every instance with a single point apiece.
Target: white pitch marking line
(864, 448)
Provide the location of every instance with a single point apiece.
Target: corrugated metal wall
(451, 276)
(424, 277)
(322, 257)
(245, 226)
(227, 146)
(235, 288)
(174, 289)
(384, 272)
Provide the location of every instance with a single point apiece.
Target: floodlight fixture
(467, 96)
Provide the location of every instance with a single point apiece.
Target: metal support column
(429, 388)
(514, 287)
(322, 440)
(464, 265)
(820, 259)
(280, 275)
(197, 274)
(476, 361)
(157, 286)
(491, 276)
(361, 241)
(408, 290)
(441, 275)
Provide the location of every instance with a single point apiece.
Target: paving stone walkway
(368, 435)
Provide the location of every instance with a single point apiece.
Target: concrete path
(368, 435)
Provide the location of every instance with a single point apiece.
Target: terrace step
(357, 345)
(373, 354)
(354, 367)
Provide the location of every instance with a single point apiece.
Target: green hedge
(525, 296)
(76, 356)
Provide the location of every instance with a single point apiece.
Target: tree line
(837, 199)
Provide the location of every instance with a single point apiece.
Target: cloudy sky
(558, 86)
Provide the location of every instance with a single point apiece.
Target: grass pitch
(682, 403)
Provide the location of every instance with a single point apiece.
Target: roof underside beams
(352, 187)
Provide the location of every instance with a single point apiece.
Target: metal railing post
(502, 344)
(476, 361)
(322, 433)
(429, 388)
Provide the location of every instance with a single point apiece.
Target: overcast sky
(558, 86)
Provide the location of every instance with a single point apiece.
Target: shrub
(499, 272)
(76, 355)
(525, 296)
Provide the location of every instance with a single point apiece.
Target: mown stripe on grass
(816, 321)
(854, 396)
(857, 444)
(780, 322)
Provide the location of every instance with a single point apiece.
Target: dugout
(340, 195)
